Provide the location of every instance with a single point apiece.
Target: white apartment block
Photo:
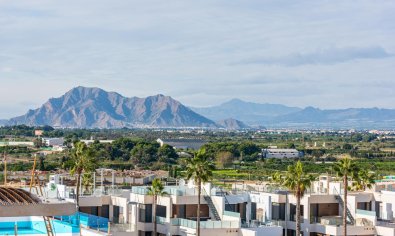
(248, 210)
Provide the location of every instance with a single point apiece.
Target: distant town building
(281, 153)
(182, 143)
(38, 132)
(53, 141)
(90, 141)
(17, 143)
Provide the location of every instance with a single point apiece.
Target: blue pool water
(36, 227)
(61, 224)
(4, 232)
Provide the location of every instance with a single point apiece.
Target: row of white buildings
(248, 210)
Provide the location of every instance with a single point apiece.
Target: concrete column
(169, 209)
(306, 216)
(248, 210)
(268, 207)
(287, 213)
(113, 179)
(110, 211)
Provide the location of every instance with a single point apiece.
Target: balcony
(203, 224)
(366, 213)
(232, 214)
(327, 220)
(206, 224)
(174, 191)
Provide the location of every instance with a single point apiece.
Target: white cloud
(6, 69)
(325, 57)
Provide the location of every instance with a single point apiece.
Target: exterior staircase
(212, 208)
(339, 199)
(211, 205)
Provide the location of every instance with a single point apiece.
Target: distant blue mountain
(248, 112)
(232, 124)
(3, 122)
(361, 118)
(276, 115)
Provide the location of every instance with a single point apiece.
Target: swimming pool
(36, 226)
(62, 225)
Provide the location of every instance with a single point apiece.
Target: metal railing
(86, 220)
(143, 190)
(162, 220)
(365, 212)
(206, 224)
(232, 214)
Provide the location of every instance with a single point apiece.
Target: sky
(326, 54)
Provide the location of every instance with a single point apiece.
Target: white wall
(264, 202)
(121, 202)
(267, 230)
(219, 203)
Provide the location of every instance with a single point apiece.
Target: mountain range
(232, 124)
(83, 107)
(248, 112)
(280, 116)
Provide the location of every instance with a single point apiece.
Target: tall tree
(345, 168)
(363, 179)
(224, 159)
(297, 181)
(157, 189)
(200, 169)
(144, 153)
(167, 154)
(83, 160)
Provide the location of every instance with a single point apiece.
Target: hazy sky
(329, 54)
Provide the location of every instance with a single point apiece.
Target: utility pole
(5, 165)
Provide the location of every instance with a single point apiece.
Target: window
(160, 210)
(293, 212)
(278, 211)
(145, 233)
(253, 210)
(145, 213)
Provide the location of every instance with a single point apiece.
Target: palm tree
(364, 179)
(345, 168)
(157, 189)
(199, 168)
(87, 180)
(82, 161)
(296, 180)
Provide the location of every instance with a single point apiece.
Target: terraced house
(246, 210)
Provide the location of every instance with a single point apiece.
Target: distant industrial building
(53, 141)
(281, 153)
(183, 143)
